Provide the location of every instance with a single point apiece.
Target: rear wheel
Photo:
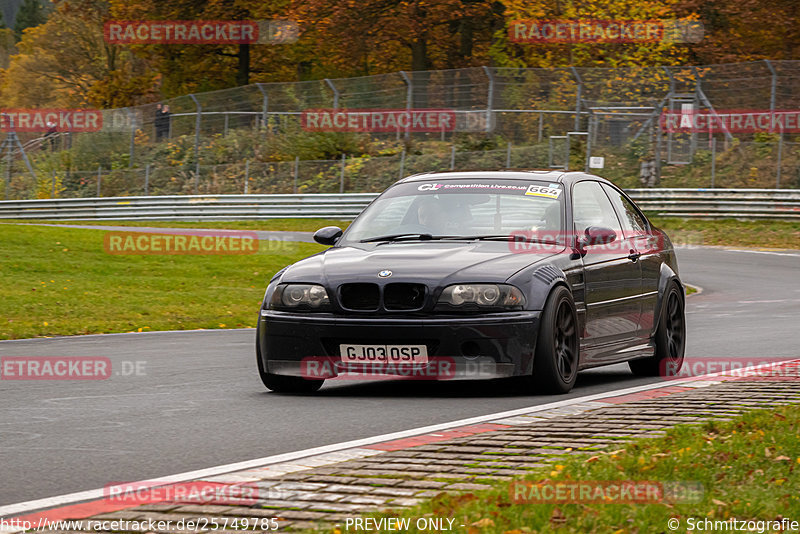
(555, 365)
(284, 384)
(670, 339)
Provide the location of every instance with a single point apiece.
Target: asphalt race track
(200, 402)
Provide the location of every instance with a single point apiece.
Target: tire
(555, 364)
(284, 384)
(670, 338)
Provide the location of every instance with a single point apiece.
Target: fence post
(578, 98)
(508, 156)
(780, 155)
(589, 130)
(198, 115)
(53, 195)
(147, 179)
(489, 98)
(409, 98)
(541, 126)
(773, 85)
(341, 177)
(225, 128)
(335, 93)
(296, 171)
(133, 138)
(402, 162)
(8, 173)
(713, 161)
(264, 105)
(99, 170)
(246, 175)
(452, 157)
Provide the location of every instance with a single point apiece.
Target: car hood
(431, 262)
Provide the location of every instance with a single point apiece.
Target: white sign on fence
(597, 162)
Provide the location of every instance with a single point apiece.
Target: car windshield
(425, 211)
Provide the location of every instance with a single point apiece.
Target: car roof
(555, 176)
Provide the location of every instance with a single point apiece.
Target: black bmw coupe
(479, 275)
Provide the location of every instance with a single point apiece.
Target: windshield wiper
(500, 237)
(399, 237)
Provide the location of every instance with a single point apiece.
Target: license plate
(384, 353)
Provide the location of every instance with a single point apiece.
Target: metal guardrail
(190, 207)
(720, 203)
(705, 203)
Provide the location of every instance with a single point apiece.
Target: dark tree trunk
(419, 55)
(243, 70)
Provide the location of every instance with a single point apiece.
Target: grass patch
(62, 282)
(722, 232)
(731, 232)
(294, 225)
(749, 468)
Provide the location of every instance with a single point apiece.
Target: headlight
(300, 296)
(481, 296)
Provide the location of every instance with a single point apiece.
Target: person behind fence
(157, 120)
(161, 121)
(166, 116)
(52, 133)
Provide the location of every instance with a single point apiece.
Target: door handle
(634, 256)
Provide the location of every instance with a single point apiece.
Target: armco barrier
(706, 203)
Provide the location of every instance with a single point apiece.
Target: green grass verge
(723, 232)
(731, 232)
(62, 282)
(294, 225)
(749, 468)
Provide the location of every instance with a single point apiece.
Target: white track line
(61, 500)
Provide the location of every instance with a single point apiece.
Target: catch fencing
(565, 115)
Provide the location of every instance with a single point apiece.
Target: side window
(632, 221)
(591, 207)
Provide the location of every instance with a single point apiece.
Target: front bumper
(465, 347)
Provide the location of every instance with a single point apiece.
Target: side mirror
(597, 235)
(328, 235)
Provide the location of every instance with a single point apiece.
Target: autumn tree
(31, 13)
(745, 30)
(66, 62)
(637, 54)
(372, 36)
(187, 68)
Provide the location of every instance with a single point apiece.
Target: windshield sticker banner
(482, 187)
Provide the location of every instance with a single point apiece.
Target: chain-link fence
(218, 141)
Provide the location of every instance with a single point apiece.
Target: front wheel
(670, 339)
(555, 364)
(285, 384)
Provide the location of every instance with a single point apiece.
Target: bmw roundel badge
(386, 273)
